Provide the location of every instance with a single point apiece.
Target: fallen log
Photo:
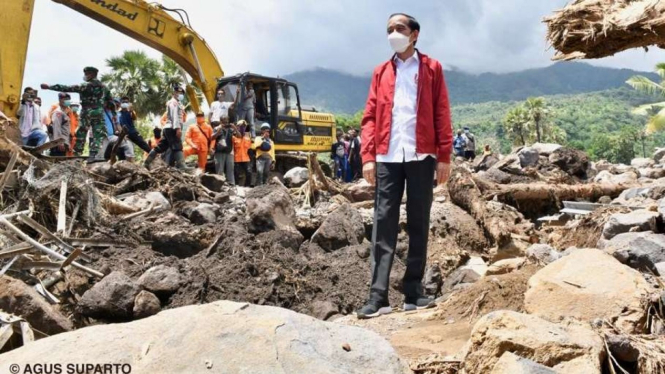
(547, 192)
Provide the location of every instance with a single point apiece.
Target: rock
(510, 363)
(222, 198)
(158, 199)
(572, 161)
(182, 193)
(433, 280)
(586, 285)
(605, 200)
(213, 182)
(146, 304)
(22, 300)
(505, 266)
(641, 163)
(639, 250)
(661, 207)
(632, 193)
(486, 162)
(342, 228)
(567, 349)
(181, 242)
(658, 155)
(287, 239)
(542, 253)
(637, 220)
(202, 214)
(220, 337)
(545, 149)
(622, 348)
(111, 298)
(605, 176)
(323, 309)
(651, 173)
(474, 269)
(359, 191)
(296, 177)
(269, 207)
(161, 280)
(528, 157)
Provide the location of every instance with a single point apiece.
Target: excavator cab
(278, 103)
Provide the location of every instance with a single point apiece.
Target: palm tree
(537, 112)
(515, 123)
(656, 111)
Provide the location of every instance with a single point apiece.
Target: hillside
(344, 93)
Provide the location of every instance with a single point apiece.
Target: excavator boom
(148, 23)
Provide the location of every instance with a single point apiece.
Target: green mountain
(339, 92)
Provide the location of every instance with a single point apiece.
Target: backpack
(265, 145)
(340, 152)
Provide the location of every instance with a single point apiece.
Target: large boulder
(22, 300)
(342, 228)
(221, 337)
(572, 161)
(161, 280)
(629, 177)
(270, 207)
(474, 269)
(359, 191)
(213, 182)
(637, 220)
(202, 214)
(111, 298)
(528, 157)
(545, 149)
(510, 363)
(639, 250)
(570, 349)
(542, 253)
(641, 163)
(651, 173)
(486, 162)
(586, 285)
(296, 177)
(658, 155)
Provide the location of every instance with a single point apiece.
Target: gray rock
(221, 337)
(510, 363)
(486, 162)
(629, 177)
(661, 207)
(157, 199)
(161, 280)
(639, 250)
(111, 298)
(359, 191)
(542, 253)
(270, 207)
(146, 304)
(202, 214)
(651, 173)
(22, 300)
(528, 157)
(658, 155)
(222, 198)
(342, 228)
(323, 309)
(641, 163)
(470, 272)
(180, 242)
(637, 220)
(572, 161)
(545, 149)
(213, 182)
(632, 193)
(622, 348)
(433, 280)
(296, 177)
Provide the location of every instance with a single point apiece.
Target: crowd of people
(345, 154)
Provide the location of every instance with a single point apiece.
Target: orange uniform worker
(242, 143)
(199, 140)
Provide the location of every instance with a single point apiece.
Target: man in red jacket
(406, 136)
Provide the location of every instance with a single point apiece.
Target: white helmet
(265, 126)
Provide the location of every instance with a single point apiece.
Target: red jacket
(434, 132)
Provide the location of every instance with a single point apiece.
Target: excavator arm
(148, 23)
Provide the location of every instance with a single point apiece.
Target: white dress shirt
(402, 146)
(220, 109)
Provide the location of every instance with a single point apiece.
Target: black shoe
(371, 310)
(421, 302)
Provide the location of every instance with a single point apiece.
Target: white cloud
(281, 37)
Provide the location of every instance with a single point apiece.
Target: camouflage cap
(90, 69)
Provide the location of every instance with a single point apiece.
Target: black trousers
(391, 178)
(169, 141)
(243, 167)
(137, 139)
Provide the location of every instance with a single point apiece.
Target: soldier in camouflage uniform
(94, 95)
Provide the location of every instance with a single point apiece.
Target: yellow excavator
(278, 102)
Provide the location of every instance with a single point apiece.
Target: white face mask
(124, 105)
(181, 97)
(399, 42)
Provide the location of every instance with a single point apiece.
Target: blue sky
(281, 37)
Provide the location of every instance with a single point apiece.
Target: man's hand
(195, 147)
(44, 86)
(442, 172)
(369, 173)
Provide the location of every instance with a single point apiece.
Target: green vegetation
(655, 112)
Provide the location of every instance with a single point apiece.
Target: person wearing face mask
(199, 140)
(127, 118)
(224, 150)
(75, 109)
(29, 115)
(406, 136)
(172, 132)
(94, 95)
(60, 125)
(242, 143)
(219, 108)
